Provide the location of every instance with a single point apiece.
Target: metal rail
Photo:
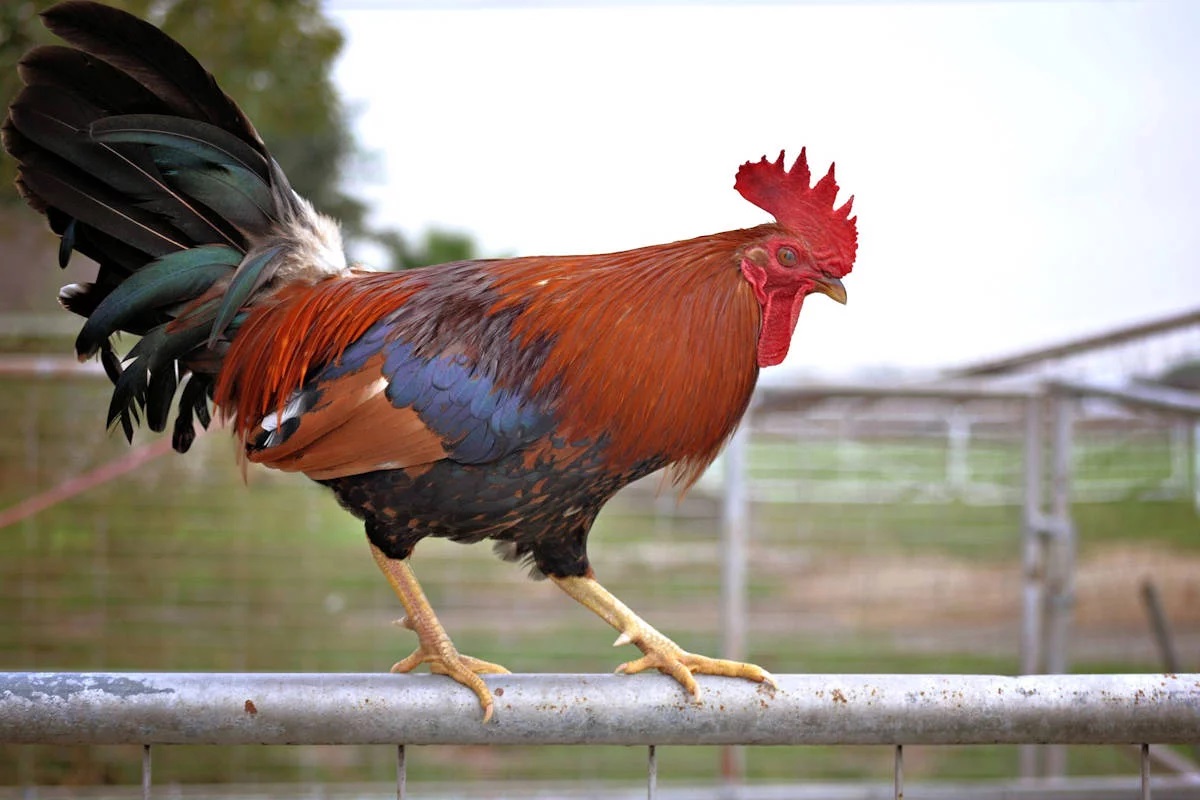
(1149, 396)
(1080, 346)
(189, 708)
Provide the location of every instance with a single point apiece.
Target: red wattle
(780, 310)
(780, 313)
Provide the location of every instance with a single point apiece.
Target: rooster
(502, 399)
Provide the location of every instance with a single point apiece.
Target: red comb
(805, 210)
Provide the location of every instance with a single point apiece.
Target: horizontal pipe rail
(1143, 395)
(48, 367)
(1080, 346)
(215, 708)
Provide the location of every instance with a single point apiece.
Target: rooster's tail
(140, 162)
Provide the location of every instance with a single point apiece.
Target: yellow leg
(659, 652)
(435, 647)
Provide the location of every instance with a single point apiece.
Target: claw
(659, 652)
(664, 655)
(674, 667)
(464, 669)
(669, 659)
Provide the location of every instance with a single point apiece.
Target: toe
(481, 667)
(410, 662)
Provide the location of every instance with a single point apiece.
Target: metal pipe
(1143, 395)
(1033, 542)
(49, 367)
(214, 708)
(401, 772)
(1160, 625)
(735, 530)
(651, 772)
(147, 782)
(1145, 772)
(1076, 347)
(1195, 444)
(1060, 564)
(735, 533)
(1033, 556)
(772, 398)
(1060, 581)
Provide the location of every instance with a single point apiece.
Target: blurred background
(986, 462)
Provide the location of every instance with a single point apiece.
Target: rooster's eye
(787, 256)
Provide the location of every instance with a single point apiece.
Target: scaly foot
(444, 659)
(669, 658)
(659, 651)
(435, 648)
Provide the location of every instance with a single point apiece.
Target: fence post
(735, 529)
(1060, 565)
(1196, 466)
(958, 451)
(1033, 554)
(1049, 559)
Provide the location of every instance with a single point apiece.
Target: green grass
(1170, 523)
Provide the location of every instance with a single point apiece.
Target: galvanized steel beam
(184, 708)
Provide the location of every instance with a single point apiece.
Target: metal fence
(886, 530)
(1049, 418)
(896, 710)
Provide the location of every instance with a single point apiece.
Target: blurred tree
(274, 57)
(1184, 375)
(436, 247)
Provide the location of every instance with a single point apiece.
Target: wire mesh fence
(885, 536)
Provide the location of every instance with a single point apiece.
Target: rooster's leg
(435, 647)
(659, 651)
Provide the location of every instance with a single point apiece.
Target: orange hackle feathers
(803, 209)
(635, 334)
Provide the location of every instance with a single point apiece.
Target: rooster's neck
(653, 349)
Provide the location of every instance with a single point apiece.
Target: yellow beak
(833, 288)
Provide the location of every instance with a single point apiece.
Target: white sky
(1023, 172)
